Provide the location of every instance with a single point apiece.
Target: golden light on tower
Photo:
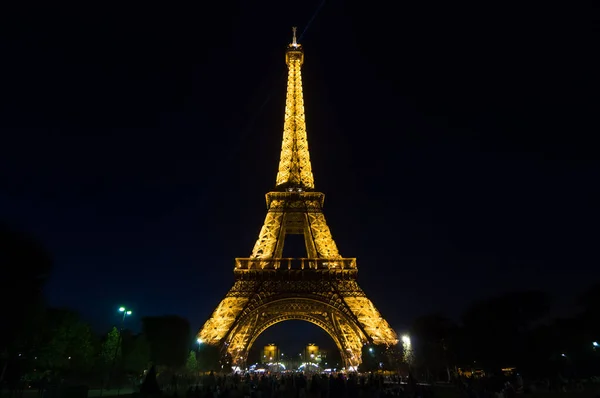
(295, 171)
(320, 288)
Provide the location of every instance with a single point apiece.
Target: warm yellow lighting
(320, 288)
(294, 164)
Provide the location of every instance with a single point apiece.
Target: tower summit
(295, 171)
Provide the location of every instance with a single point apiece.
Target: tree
(169, 339)
(496, 329)
(65, 342)
(136, 353)
(111, 351)
(192, 363)
(394, 358)
(373, 356)
(589, 303)
(28, 266)
(433, 339)
(209, 357)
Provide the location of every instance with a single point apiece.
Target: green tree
(66, 342)
(192, 363)
(111, 351)
(136, 353)
(209, 357)
(168, 337)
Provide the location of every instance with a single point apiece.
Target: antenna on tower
(294, 39)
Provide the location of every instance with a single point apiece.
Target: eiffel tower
(322, 288)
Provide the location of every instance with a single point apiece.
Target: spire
(294, 44)
(295, 172)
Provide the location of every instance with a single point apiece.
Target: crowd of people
(299, 385)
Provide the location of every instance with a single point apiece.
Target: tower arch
(345, 331)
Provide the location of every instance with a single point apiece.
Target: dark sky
(454, 143)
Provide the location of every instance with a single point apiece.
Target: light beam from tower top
(295, 170)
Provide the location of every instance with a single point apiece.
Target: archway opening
(295, 344)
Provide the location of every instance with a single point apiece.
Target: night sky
(455, 145)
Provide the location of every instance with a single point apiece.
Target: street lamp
(125, 312)
(595, 344)
(406, 340)
(407, 354)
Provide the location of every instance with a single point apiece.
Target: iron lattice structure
(321, 288)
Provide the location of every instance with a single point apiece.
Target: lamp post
(199, 341)
(125, 312)
(407, 348)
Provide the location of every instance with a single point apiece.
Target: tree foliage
(110, 351)
(168, 338)
(27, 266)
(209, 357)
(192, 363)
(136, 353)
(496, 329)
(433, 339)
(65, 342)
(373, 358)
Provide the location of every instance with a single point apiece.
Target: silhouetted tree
(65, 344)
(209, 357)
(27, 266)
(373, 357)
(168, 338)
(496, 329)
(589, 304)
(393, 358)
(136, 353)
(433, 339)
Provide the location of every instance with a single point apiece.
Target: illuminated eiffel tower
(321, 288)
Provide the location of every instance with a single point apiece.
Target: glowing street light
(595, 344)
(125, 312)
(407, 348)
(199, 340)
(406, 340)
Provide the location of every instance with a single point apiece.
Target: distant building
(270, 353)
(314, 355)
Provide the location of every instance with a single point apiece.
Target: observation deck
(292, 268)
